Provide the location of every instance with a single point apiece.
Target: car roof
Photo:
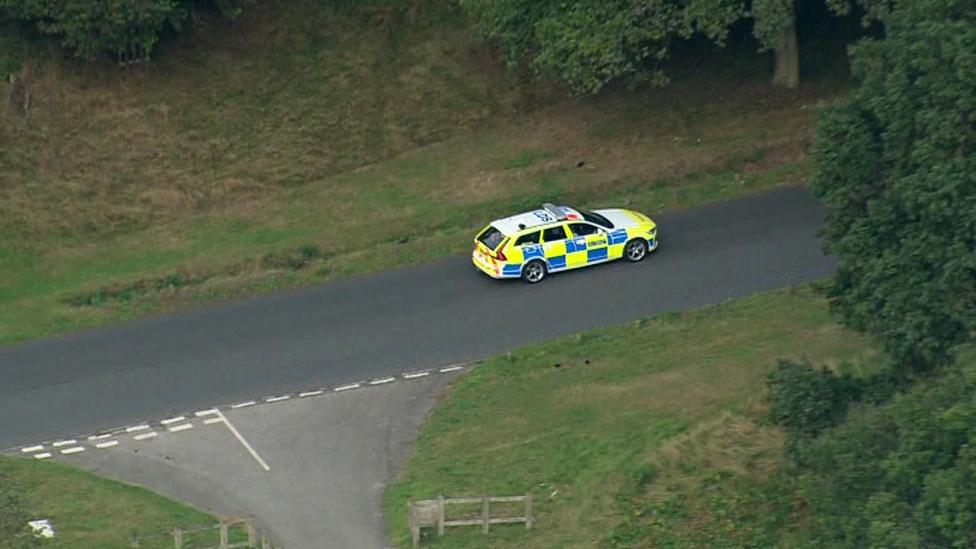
(547, 215)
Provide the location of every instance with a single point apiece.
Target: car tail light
(500, 255)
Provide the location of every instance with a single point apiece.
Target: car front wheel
(534, 271)
(635, 250)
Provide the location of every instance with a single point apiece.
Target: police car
(534, 244)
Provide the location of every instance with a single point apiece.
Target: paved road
(329, 458)
(370, 326)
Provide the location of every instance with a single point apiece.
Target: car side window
(531, 238)
(553, 234)
(582, 229)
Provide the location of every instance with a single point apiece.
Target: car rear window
(491, 237)
(531, 238)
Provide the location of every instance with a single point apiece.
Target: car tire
(635, 250)
(534, 271)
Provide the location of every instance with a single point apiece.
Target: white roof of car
(547, 214)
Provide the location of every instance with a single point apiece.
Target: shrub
(805, 400)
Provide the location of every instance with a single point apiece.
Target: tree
(123, 28)
(900, 474)
(896, 165)
(589, 43)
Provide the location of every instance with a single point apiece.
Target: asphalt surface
(370, 326)
(328, 461)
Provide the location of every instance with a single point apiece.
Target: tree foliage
(897, 168)
(123, 28)
(900, 474)
(589, 43)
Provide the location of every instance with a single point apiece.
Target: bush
(806, 401)
(900, 474)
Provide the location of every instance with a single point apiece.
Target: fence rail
(181, 536)
(431, 512)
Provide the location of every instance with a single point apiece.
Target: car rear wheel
(534, 271)
(635, 250)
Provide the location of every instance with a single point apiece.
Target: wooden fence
(181, 536)
(432, 512)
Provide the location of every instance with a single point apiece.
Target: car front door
(590, 242)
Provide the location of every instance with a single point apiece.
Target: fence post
(178, 538)
(223, 535)
(414, 529)
(440, 515)
(252, 534)
(528, 511)
(485, 514)
(135, 540)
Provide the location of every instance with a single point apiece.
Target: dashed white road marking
(36, 450)
(243, 442)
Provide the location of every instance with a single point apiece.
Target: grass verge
(622, 434)
(89, 511)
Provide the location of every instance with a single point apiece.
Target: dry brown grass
(219, 121)
(732, 443)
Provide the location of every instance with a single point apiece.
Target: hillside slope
(293, 92)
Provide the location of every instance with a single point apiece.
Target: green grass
(620, 433)
(382, 136)
(89, 511)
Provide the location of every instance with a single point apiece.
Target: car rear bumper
(484, 265)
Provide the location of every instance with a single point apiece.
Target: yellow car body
(534, 244)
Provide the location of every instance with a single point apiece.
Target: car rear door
(554, 246)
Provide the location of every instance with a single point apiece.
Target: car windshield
(491, 237)
(596, 218)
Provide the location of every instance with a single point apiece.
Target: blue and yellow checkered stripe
(571, 253)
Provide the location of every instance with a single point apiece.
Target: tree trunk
(787, 54)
